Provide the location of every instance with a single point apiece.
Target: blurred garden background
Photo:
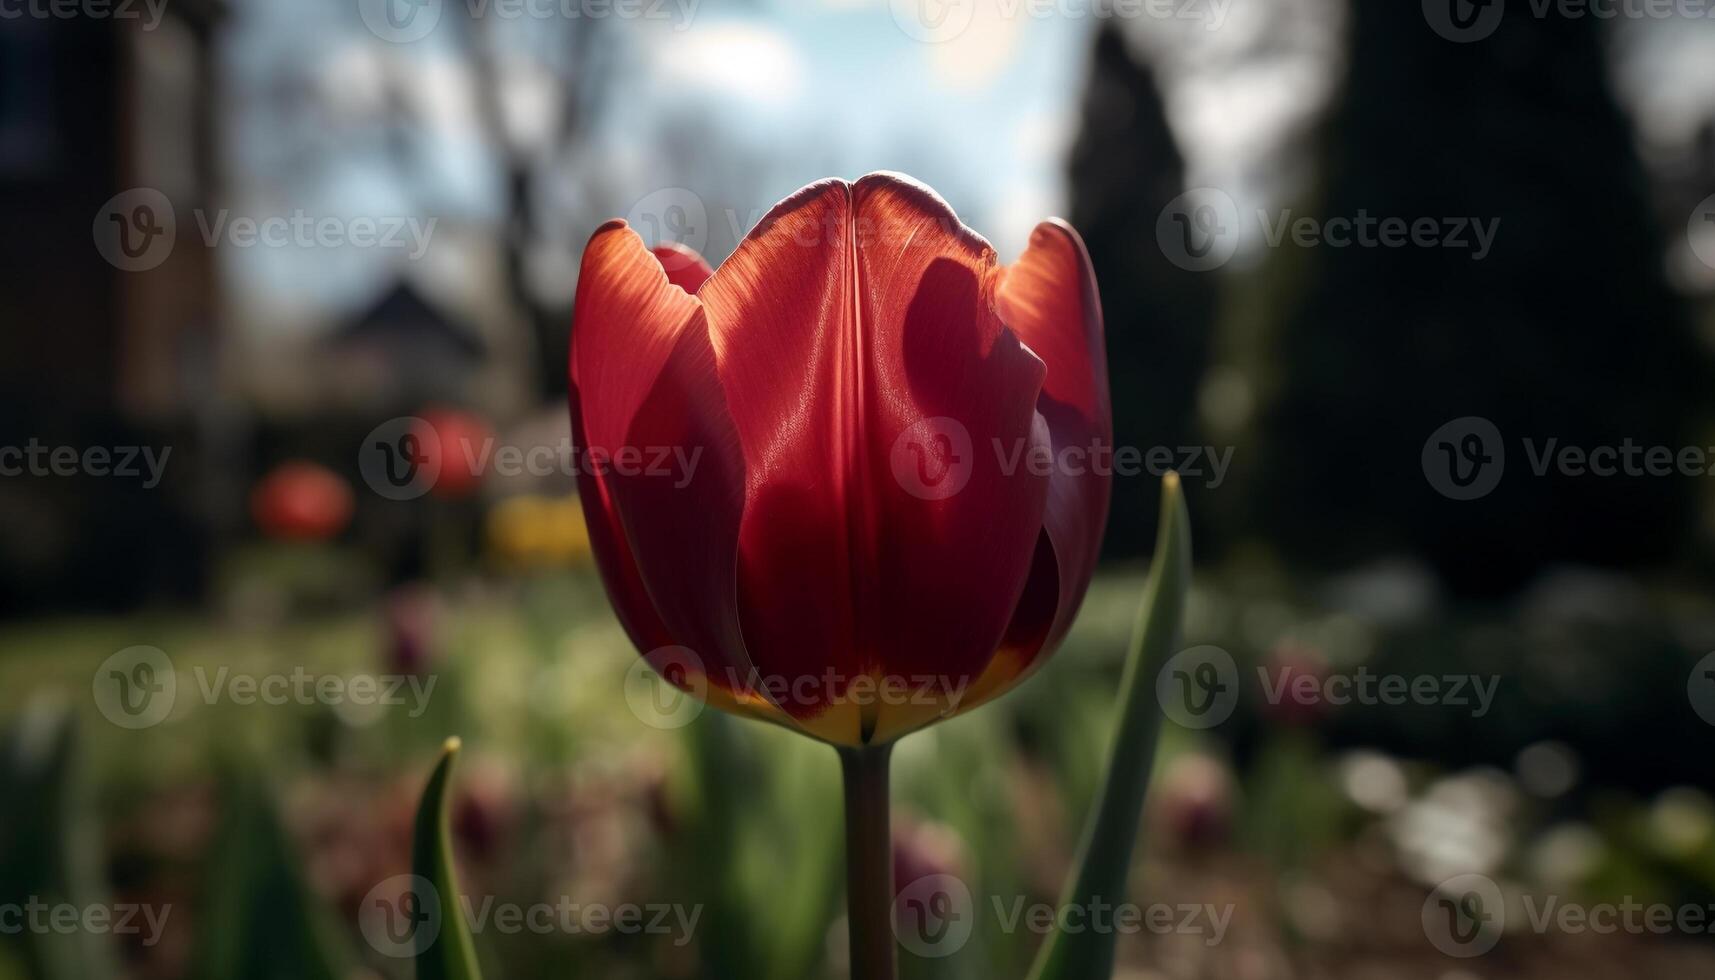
(251, 245)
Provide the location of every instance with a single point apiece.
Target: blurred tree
(1125, 168)
(538, 92)
(1566, 329)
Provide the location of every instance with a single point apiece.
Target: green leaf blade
(450, 955)
(1111, 831)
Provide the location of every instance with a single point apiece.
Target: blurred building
(100, 120)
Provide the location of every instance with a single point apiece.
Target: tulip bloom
(452, 444)
(301, 501)
(877, 527)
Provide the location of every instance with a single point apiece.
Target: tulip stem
(869, 862)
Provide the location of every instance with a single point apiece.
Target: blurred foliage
(565, 792)
(1566, 329)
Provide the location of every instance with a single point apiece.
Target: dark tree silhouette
(1566, 330)
(1125, 169)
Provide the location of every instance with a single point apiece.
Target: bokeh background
(430, 170)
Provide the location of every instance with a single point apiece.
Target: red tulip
(454, 448)
(855, 525)
(1298, 672)
(300, 500)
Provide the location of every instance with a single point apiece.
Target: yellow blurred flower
(535, 531)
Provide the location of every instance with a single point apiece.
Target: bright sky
(746, 102)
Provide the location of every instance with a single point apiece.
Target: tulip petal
(1048, 297)
(859, 563)
(684, 267)
(616, 301)
(661, 478)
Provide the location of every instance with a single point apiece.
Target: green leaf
(261, 920)
(449, 955)
(50, 846)
(1111, 832)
